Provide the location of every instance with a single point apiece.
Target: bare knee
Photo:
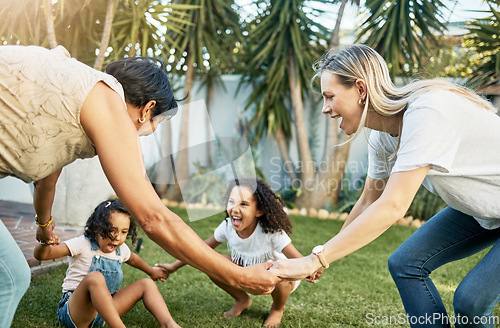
(283, 290)
(285, 287)
(147, 284)
(94, 278)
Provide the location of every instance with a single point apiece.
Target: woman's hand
(46, 235)
(258, 279)
(43, 197)
(298, 268)
(159, 273)
(169, 267)
(315, 276)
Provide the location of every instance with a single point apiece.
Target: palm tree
(106, 34)
(335, 38)
(210, 36)
(140, 24)
(49, 18)
(484, 36)
(283, 44)
(400, 31)
(79, 26)
(47, 23)
(337, 146)
(23, 22)
(140, 27)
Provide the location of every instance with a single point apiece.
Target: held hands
(314, 278)
(168, 267)
(255, 279)
(258, 279)
(307, 267)
(46, 235)
(159, 274)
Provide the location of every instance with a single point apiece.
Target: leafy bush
(425, 205)
(348, 195)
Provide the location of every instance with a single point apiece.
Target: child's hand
(315, 276)
(169, 267)
(159, 274)
(46, 235)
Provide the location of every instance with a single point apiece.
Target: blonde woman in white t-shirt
(429, 132)
(255, 230)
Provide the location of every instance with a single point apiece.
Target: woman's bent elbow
(159, 227)
(151, 224)
(394, 211)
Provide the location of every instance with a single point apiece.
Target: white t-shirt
(81, 260)
(258, 248)
(460, 141)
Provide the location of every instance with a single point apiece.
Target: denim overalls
(111, 270)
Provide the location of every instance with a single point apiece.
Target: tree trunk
(74, 50)
(298, 109)
(339, 162)
(133, 51)
(209, 136)
(165, 173)
(106, 34)
(335, 39)
(283, 148)
(328, 184)
(335, 156)
(306, 163)
(49, 19)
(182, 160)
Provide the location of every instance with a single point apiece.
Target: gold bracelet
(43, 225)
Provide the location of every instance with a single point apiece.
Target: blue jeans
(111, 269)
(15, 276)
(65, 318)
(449, 236)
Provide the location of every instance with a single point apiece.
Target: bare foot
(238, 307)
(274, 318)
(173, 324)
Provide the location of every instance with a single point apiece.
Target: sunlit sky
(462, 10)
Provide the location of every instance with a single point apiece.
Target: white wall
(13, 189)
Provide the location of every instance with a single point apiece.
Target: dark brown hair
(274, 218)
(98, 222)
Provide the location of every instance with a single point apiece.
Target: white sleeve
(220, 233)
(77, 245)
(427, 138)
(125, 252)
(280, 240)
(380, 149)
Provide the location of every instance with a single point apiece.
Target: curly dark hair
(98, 222)
(274, 219)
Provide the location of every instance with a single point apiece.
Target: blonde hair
(362, 62)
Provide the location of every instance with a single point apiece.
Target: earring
(361, 102)
(142, 120)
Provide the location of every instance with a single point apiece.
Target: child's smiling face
(243, 211)
(121, 226)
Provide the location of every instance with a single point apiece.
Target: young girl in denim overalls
(90, 289)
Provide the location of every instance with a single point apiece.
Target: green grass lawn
(350, 293)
